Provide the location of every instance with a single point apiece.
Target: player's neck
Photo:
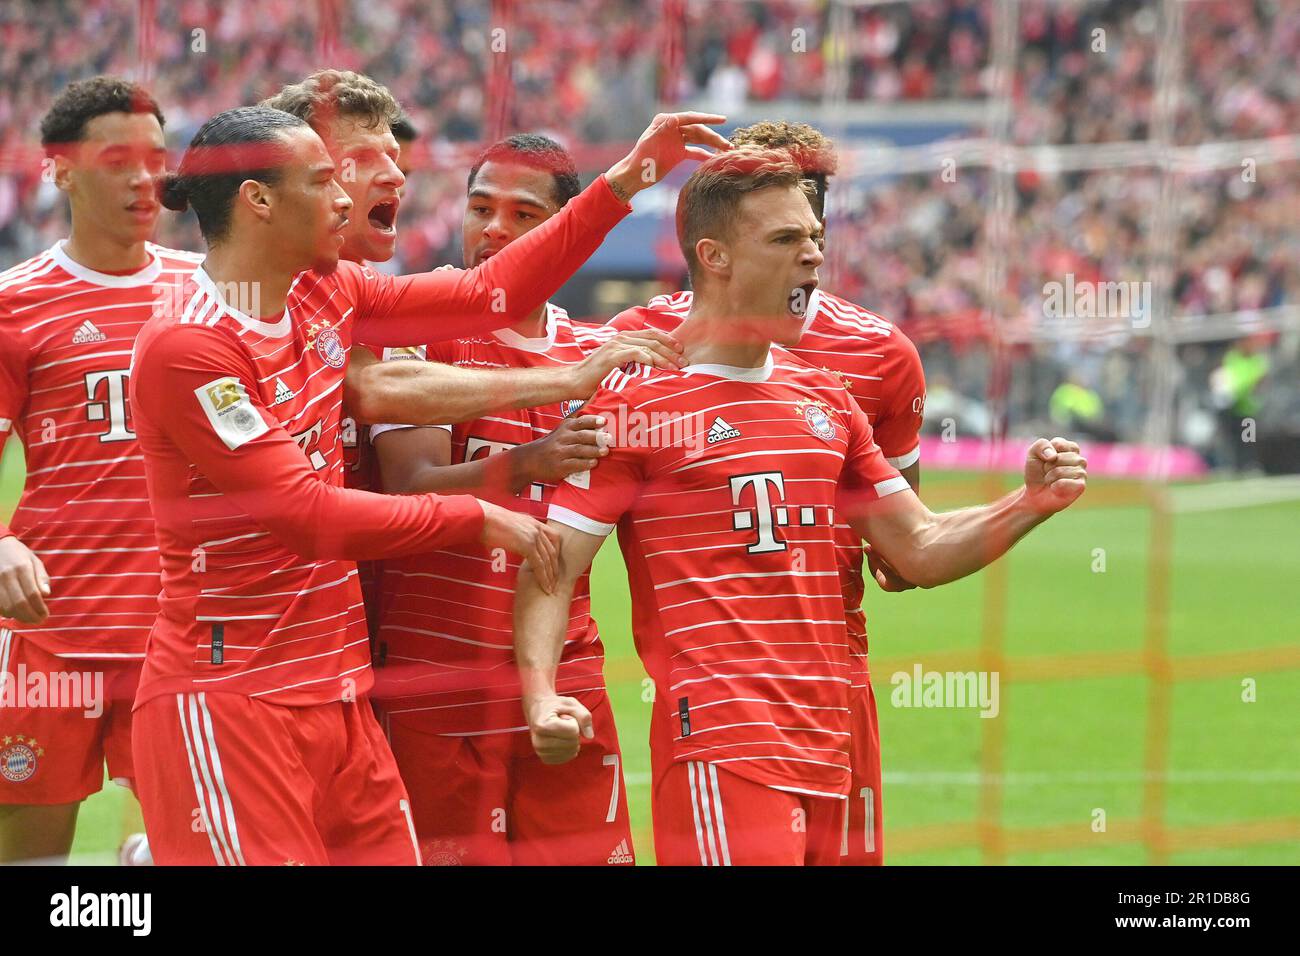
(533, 325)
(246, 265)
(101, 253)
(712, 335)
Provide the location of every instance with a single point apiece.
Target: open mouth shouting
(383, 217)
(800, 295)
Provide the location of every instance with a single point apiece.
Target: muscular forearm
(431, 393)
(540, 622)
(494, 477)
(949, 546)
(451, 304)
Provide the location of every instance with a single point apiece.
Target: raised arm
(453, 303)
(931, 549)
(555, 723)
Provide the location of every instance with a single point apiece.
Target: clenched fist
(1055, 475)
(557, 726)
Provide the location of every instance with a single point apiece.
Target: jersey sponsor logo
(225, 403)
(283, 392)
(622, 854)
(818, 421)
(309, 441)
(720, 431)
(762, 517)
(769, 512)
(114, 408)
(86, 332)
(18, 758)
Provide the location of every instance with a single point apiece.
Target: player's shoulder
(679, 302)
(800, 371)
(854, 327)
(17, 281)
(176, 259)
(835, 315)
(638, 382)
(645, 317)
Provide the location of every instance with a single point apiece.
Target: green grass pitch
(1071, 746)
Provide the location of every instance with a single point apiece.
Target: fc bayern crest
(18, 760)
(819, 422)
(330, 348)
(443, 853)
(569, 406)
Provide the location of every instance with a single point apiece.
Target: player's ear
(256, 197)
(713, 256)
(61, 171)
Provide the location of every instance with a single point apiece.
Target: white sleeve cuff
(377, 430)
(580, 522)
(904, 461)
(891, 485)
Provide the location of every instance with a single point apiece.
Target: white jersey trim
(581, 522)
(145, 276)
(906, 460)
(736, 373)
(275, 330)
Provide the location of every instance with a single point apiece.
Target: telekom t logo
(118, 430)
(474, 445)
(764, 512)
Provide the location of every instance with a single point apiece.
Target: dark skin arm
(414, 460)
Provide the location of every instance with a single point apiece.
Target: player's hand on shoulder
(1056, 474)
(642, 346)
(24, 585)
(576, 445)
(525, 536)
(557, 725)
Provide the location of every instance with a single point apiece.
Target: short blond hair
(709, 203)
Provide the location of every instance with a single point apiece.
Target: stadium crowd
(912, 247)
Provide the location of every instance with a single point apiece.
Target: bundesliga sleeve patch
(233, 417)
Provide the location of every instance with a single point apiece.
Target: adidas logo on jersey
(720, 431)
(87, 332)
(282, 392)
(622, 854)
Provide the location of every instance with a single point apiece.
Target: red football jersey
(239, 424)
(446, 628)
(882, 371)
(66, 334)
(723, 483)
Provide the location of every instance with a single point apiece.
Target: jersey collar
(510, 337)
(275, 330)
(146, 276)
(736, 373)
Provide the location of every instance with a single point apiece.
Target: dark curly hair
(539, 152)
(244, 143)
(82, 101)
